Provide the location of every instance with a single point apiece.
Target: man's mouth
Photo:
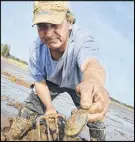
(52, 41)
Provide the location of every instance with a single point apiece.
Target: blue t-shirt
(64, 72)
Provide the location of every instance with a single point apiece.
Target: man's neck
(55, 54)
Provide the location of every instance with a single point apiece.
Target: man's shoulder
(81, 35)
(37, 48)
(36, 45)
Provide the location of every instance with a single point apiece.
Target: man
(65, 58)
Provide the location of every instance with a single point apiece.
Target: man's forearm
(43, 93)
(94, 71)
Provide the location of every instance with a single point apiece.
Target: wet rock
(18, 126)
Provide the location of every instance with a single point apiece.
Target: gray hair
(70, 17)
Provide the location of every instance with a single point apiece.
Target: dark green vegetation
(5, 50)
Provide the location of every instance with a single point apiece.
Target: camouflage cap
(49, 12)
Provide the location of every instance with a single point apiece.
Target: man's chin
(53, 46)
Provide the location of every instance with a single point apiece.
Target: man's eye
(41, 25)
(54, 26)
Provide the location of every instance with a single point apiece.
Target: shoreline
(16, 63)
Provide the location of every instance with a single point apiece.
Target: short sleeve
(34, 65)
(89, 49)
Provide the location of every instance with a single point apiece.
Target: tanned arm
(93, 80)
(92, 92)
(92, 70)
(43, 92)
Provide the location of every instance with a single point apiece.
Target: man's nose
(49, 32)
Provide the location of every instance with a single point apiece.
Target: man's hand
(95, 98)
(92, 92)
(44, 94)
(50, 110)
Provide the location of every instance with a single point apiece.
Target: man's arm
(92, 92)
(42, 91)
(37, 72)
(93, 79)
(93, 70)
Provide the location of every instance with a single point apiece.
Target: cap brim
(53, 18)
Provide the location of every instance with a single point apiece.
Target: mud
(16, 80)
(14, 130)
(11, 132)
(12, 102)
(119, 120)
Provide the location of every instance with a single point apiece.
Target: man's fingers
(101, 99)
(97, 107)
(86, 100)
(95, 117)
(98, 104)
(85, 104)
(98, 116)
(86, 95)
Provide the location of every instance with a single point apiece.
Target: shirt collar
(72, 34)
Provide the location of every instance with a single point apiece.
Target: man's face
(54, 36)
